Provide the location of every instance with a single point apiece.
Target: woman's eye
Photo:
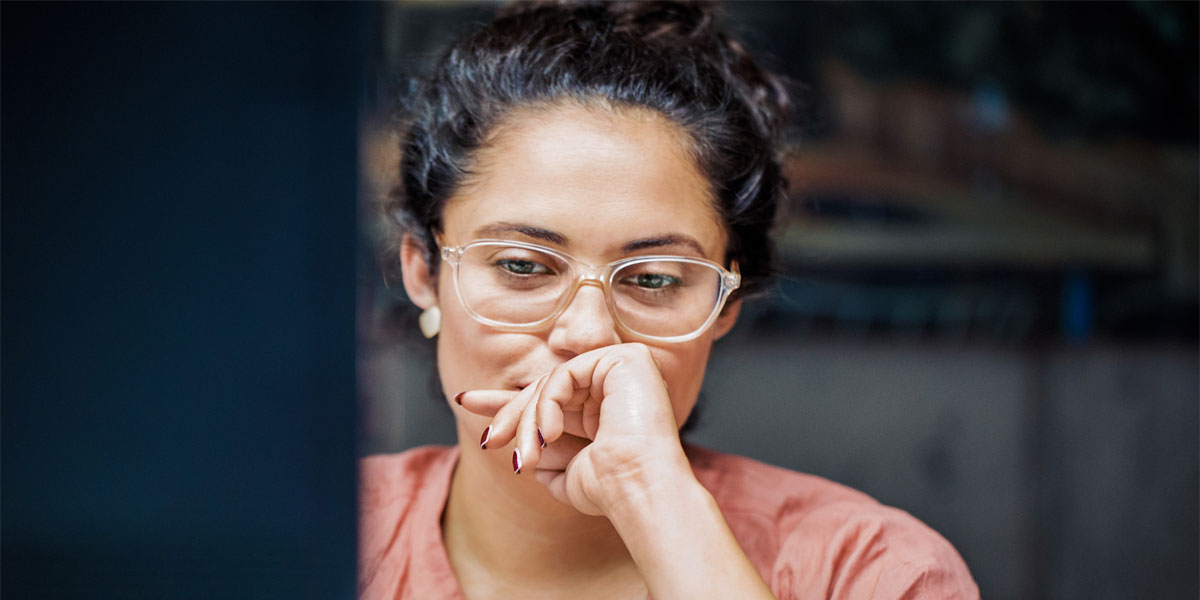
(653, 281)
(522, 267)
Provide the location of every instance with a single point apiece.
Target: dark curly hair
(669, 57)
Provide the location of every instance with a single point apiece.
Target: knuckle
(637, 350)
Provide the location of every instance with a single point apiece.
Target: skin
(610, 508)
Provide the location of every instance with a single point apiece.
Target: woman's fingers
(601, 411)
(485, 402)
(528, 449)
(626, 380)
(504, 424)
(549, 420)
(569, 400)
(556, 399)
(569, 395)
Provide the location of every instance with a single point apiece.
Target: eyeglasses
(524, 287)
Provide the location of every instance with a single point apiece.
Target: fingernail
(517, 461)
(541, 440)
(487, 433)
(458, 398)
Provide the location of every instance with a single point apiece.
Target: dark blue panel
(179, 199)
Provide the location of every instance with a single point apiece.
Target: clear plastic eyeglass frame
(601, 276)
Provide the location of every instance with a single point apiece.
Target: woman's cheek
(473, 356)
(461, 363)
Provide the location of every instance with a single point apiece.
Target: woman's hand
(614, 396)
(634, 471)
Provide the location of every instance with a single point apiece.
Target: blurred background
(987, 313)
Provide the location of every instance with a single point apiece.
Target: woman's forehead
(597, 179)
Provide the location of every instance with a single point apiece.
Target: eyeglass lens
(520, 286)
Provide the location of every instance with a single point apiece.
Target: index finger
(485, 402)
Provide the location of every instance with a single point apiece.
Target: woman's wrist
(678, 537)
(636, 481)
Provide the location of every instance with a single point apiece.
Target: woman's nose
(585, 324)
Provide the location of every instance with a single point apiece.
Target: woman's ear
(419, 284)
(727, 318)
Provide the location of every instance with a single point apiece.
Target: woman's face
(588, 182)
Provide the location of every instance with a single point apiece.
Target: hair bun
(689, 27)
(647, 20)
(665, 21)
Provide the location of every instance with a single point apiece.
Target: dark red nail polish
(517, 462)
(487, 433)
(541, 440)
(458, 398)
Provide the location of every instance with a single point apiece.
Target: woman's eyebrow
(494, 229)
(671, 239)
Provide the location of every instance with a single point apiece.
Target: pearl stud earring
(430, 321)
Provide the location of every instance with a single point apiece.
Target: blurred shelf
(850, 206)
(965, 245)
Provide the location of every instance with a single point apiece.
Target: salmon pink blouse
(807, 536)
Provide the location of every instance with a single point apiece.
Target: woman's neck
(504, 531)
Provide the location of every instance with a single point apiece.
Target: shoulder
(391, 477)
(806, 533)
(400, 499)
(747, 484)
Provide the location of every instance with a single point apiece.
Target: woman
(585, 199)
